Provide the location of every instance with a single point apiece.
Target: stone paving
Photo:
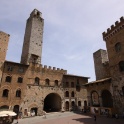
(69, 118)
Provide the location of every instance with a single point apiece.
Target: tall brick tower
(32, 46)
(114, 38)
(4, 39)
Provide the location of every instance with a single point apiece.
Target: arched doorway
(73, 105)
(34, 110)
(16, 109)
(67, 106)
(107, 99)
(52, 103)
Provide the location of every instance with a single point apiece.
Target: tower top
(119, 25)
(36, 13)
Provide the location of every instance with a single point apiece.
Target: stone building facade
(109, 69)
(29, 86)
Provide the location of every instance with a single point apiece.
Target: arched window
(56, 82)
(121, 66)
(66, 84)
(118, 47)
(72, 94)
(72, 84)
(18, 93)
(66, 94)
(95, 98)
(79, 103)
(37, 80)
(20, 79)
(5, 93)
(8, 79)
(47, 82)
(72, 103)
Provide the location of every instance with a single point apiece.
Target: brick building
(29, 86)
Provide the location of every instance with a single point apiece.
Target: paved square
(69, 118)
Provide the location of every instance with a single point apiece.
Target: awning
(7, 113)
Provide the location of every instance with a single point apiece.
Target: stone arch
(6, 87)
(106, 101)
(52, 102)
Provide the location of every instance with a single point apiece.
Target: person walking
(94, 117)
(17, 119)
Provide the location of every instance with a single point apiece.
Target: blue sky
(72, 30)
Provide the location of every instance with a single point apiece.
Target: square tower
(101, 64)
(32, 46)
(4, 39)
(114, 38)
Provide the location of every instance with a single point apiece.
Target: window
(21, 69)
(66, 84)
(9, 68)
(8, 79)
(118, 47)
(5, 93)
(72, 94)
(47, 81)
(56, 82)
(66, 94)
(79, 103)
(20, 80)
(72, 84)
(121, 66)
(37, 80)
(18, 93)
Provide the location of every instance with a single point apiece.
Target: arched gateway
(52, 103)
(107, 99)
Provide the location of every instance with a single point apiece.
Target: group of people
(6, 120)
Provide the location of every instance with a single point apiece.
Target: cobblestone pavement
(69, 118)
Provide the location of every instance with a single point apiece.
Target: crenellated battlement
(47, 68)
(113, 29)
(54, 69)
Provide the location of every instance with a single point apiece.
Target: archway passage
(52, 103)
(107, 99)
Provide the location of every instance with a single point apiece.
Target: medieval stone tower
(114, 38)
(32, 46)
(101, 64)
(4, 39)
